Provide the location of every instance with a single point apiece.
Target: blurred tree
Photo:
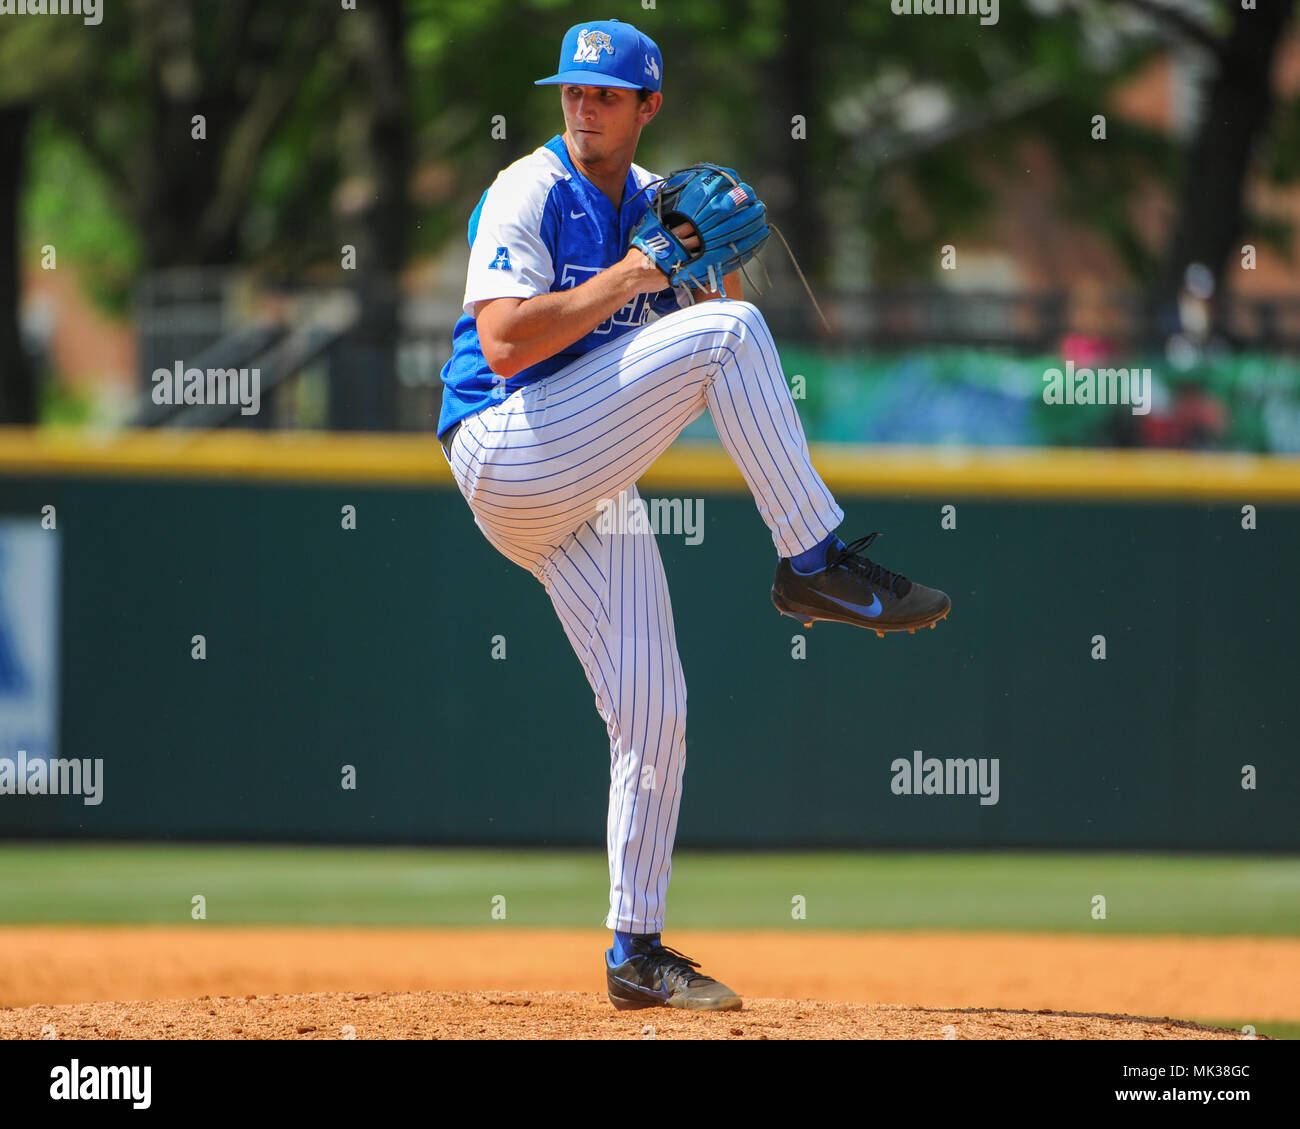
(17, 384)
(865, 132)
(1237, 105)
(187, 97)
(364, 390)
(223, 129)
(871, 135)
(23, 88)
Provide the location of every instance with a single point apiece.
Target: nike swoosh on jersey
(870, 612)
(576, 215)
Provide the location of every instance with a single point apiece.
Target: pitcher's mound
(556, 1015)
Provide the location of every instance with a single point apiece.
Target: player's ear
(649, 107)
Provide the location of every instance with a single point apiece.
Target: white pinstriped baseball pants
(535, 469)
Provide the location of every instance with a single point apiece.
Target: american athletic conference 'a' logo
(591, 44)
(502, 260)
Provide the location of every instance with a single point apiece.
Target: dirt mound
(555, 1015)
(261, 982)
(1249, 980)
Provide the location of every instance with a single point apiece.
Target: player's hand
(646, 277)
(688, 235)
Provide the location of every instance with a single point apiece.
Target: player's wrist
(642, 274)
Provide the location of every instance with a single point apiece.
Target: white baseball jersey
(543, 468)
(541, 227)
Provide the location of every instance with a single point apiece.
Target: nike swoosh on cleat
(870, 612)
(661, 994)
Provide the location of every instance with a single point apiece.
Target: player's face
(604, 122)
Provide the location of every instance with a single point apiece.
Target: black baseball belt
(446, 439)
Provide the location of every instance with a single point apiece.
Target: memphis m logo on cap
(590, 45)
(607, 53)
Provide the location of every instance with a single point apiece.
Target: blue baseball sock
(623, 945)
(814, 559)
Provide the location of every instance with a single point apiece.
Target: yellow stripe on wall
(262, 456)
(891, 471)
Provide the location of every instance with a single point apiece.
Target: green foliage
(38, 55)
(908, 116)
(1281, 157)
(471, 60)
(1275, 230)
(291, 224)
(71, 205)
(62, 406)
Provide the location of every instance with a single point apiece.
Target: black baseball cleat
(853, 589)
(657, 976)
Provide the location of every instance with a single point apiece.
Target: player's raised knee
(749, 321)
(734, 311)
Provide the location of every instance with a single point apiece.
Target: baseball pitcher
(562, 390)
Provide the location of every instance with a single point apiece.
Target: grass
(1037, 892)
(1273, 1028)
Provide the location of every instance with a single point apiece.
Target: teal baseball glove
(728, 215)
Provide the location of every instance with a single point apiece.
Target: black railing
(310, 356)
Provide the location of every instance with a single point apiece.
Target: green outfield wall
(374, 648)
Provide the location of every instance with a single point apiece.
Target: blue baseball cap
(607, 53)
